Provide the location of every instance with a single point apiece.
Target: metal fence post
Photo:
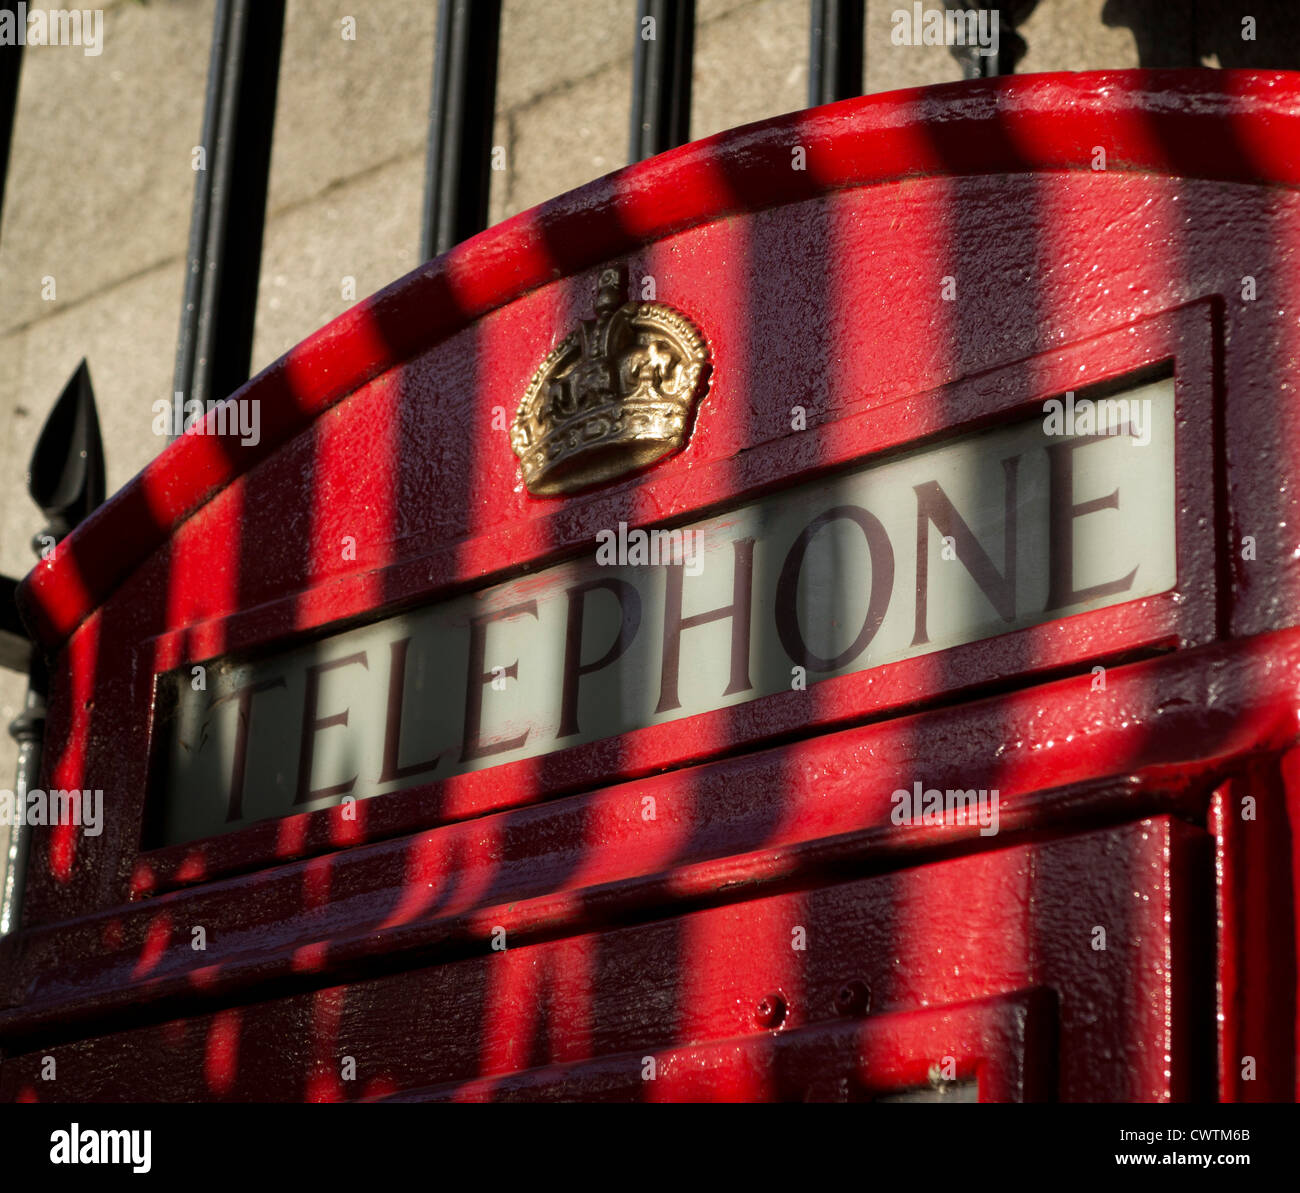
(66, 480)
(215, 345)
(457, 175)
(662, 59)
(836, 58)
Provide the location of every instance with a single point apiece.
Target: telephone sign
(1003, 529)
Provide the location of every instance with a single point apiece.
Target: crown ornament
(613, 397)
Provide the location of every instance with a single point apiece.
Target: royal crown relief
(613, 397)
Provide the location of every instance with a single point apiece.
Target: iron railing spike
(66, 474)
(66, 480)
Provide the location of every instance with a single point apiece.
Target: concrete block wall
(101, 183)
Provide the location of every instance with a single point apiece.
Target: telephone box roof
(1233, 126)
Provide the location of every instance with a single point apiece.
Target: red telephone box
(809, 616)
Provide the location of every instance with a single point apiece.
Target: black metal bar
(66, 479)
(28, 730)
(661, 77)
(15, 646)
(978, 64)
(11, 62)
(835, 58)
(458, 168)
(215, 346)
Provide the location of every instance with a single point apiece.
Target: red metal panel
(1160, 737)
(410, 465)
(274, 596)
(1006, 1045)
(1185, 615)
(985, 926)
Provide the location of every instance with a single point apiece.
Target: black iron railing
(215, 346)
(459, 161)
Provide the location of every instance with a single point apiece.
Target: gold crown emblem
(613, 397)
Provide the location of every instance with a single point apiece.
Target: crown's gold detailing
(613, 397)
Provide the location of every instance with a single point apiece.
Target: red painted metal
(1005, 1044)
(1220, 126)
(820, 288)
(1157, 740)
(685, 989)
(1185, 615)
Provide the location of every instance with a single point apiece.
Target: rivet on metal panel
(853, 998)
(771, 1010)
